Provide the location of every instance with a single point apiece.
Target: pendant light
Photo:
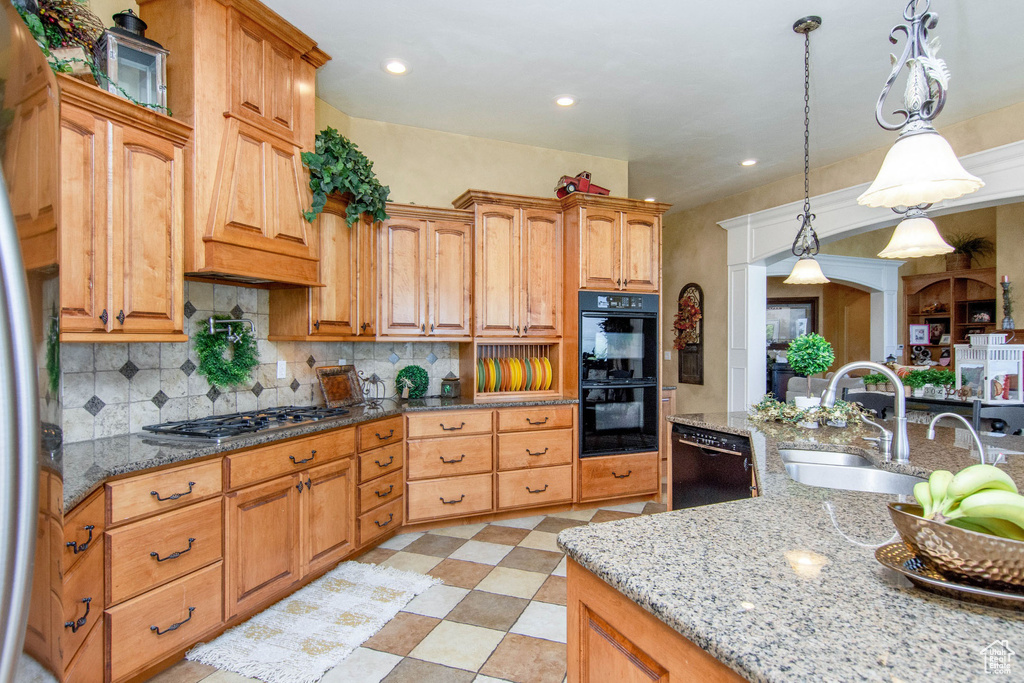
(920, 168)
(805, 246)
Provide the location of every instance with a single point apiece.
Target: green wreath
(211, 348)
(415, 378)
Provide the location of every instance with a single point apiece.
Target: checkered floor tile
(499, 616)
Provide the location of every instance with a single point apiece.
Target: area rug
(305, 635)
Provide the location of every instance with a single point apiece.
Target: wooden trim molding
(581, 199)
(109, 106)
(516, 201)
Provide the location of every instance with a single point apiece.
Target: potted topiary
(915, 380)
(967, 247)
(808, 355)
(874, 382)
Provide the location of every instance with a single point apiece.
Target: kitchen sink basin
(824, 458)
(857, 478)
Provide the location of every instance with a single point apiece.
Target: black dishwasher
(709, 466)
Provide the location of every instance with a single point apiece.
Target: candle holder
(1007, 323)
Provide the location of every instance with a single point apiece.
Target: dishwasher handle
(710, 451)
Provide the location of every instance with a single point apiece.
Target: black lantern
(133, 64)
(451, 386)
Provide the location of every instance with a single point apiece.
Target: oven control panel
(619, 302)
(713, 439)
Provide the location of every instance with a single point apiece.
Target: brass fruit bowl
(961, 555)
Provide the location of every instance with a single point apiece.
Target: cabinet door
(541, 237)
(451, 278)
(334, 304)
(85, 235)
(641, 265)
(366, 309)
(403, 285)
(148, 209)
(263, 551)
(262, 75)
(497, 277)
(328, 514)
(599, 250)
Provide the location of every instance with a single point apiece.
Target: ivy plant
(337, 165)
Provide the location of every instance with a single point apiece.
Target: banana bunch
(979, 498)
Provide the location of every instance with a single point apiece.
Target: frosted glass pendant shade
(919, 169)
(914, 238)
(806, 272)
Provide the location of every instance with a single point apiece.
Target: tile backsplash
(111, 389)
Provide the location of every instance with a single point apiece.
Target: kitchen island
(782, 587)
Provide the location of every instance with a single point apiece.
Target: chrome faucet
(900, 439)
(970, 428)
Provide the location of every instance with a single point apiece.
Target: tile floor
(499, 616)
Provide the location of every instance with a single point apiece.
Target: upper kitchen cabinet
(122, 218)
(618, 240)
(519, 264)
(244, 79)
(425, 270)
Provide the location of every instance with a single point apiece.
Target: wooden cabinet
(518, 284)
(951, 302)
(380, 478)
(328, 515)
(425, 272)
(244, 78)
(122, 219)
(616, 476)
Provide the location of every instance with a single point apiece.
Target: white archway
(756, 238)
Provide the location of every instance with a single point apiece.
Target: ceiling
(682, 89)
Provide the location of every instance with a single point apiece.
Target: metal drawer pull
(391, 516)
(544, 421)
(529, 452)
(390, 460)
(452, 429)
(174, 627)
(75, 625)
(174, 496)
(309, 484)
(84, 546)
(173, 555)
(385, 438)
(622, 476)
(529, 490)
(312, 454)
(387, 493)
(453, 460)
(452, 502)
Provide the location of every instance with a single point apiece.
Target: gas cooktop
(217, 429)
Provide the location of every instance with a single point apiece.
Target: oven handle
(704, 449)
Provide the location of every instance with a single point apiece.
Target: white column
(748, 286)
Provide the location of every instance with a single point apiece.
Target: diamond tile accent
(129, 369)
(159, 399)
(257, 389)
(295, 384)
(311, 361)
(188, 367)
(394, 358)
(431, 358)
(94, 405)
(190, 310)
(213, 394)
(237, 312)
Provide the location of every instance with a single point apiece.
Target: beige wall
(1010, 257)
(695, 245)
(105, 9)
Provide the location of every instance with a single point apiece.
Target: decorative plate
(489, 369)
(528, 366)
(520, 374)
(548, 375)
(538, 373)
(479, 376)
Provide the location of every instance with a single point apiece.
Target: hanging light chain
(806, 241)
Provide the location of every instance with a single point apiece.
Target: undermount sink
(856, 478)
(823, 458)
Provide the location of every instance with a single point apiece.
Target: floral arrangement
(687, 323)
(770, 409)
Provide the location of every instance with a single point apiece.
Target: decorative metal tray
(340, 385)
(899, 557)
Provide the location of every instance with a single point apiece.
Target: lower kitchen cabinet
(327, 515)
(617, 476)
(381, 521)
(538, 486)
(450, 497)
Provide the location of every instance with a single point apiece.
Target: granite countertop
(87, 464)
(719, 574)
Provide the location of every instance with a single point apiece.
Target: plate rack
(493, 350)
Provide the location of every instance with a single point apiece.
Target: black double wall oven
(619, 397)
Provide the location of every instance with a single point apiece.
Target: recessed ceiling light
(649, 199)
(748, 162)
(395, 66)
(565, 100)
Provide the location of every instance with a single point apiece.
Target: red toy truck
(578, 183)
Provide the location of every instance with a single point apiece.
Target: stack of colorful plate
(513, 374)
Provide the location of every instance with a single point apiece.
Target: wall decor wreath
(211, 348)
(689, 331)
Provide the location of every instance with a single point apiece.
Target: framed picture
(788, 318)
(944, 340)
(918, 335)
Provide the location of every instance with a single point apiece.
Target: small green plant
(941, 378)
(810, 354)
(874, 379)
(415, 379)
(971, 245)
(337, 165)
(916, 379)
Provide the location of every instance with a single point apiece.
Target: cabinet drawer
(154, 551)
(378, 522)
(270, 462)
(613, 476)
(534, 449)
(381, 461)
(452, 497)
(83, 602)
(191, 606)
(86, 665)
(83, 530)
(164, 490)
(448, 457)
(535, 487)
(448, 423)
(380, 433)
(544, 417)
(379, 491)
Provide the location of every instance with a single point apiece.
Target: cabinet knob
(431, 327)
(423, 327)
(120, 317)
(103, 317)
(317, 325)
(517, 329)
